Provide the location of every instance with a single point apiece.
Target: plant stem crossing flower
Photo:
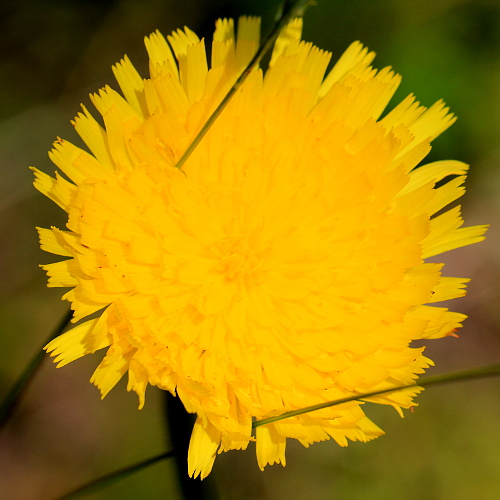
(283, 265)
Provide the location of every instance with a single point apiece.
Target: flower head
(283, 265)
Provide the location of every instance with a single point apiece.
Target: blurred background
(52, 54)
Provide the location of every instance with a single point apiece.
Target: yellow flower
(283, 265)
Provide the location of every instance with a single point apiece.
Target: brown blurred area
(52, 54)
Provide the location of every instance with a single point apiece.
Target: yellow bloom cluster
(283, 265)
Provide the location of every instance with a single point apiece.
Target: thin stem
(482, 372)
(288, 11)
(13, 397)
(113, 477)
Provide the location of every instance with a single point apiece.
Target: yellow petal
(77, 164)
(59, 190)
(138, 379)
(94, 136)
(112, 368)
(64, 273)
(433, 172)
(292, 32)
(51, 241)
(445, 234)
(77, 342)
(449, 288)
(131, 84)
(247, 41)
(205, 440)
(356, 56)
(270, 446)
(159, 53)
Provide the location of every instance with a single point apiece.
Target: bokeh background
(52, 54)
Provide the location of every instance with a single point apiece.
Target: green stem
(482, 372)
(113, 477)
(13, 397)
(288, 11)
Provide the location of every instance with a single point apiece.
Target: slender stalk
(482, 372)
(13, 397)
(288, 11)
(113, 477)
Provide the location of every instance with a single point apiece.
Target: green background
(52, 54)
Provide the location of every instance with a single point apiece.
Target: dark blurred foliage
(52, 54)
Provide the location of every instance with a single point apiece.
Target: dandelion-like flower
(283, 265)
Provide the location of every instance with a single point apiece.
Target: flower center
(238, 262)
